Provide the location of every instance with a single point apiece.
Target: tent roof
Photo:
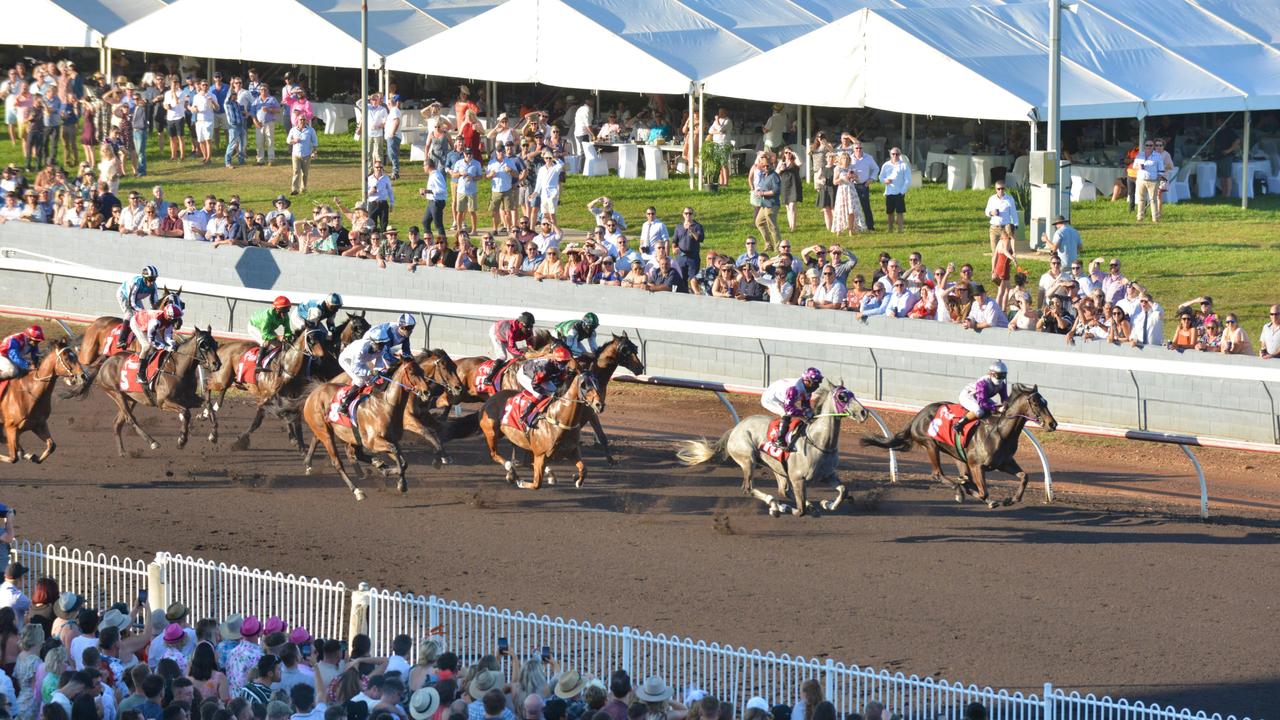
(226, 34)
(393, 24)
(73, 23)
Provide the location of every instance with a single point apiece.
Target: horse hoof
(613, 461)
(306, 471)
(204, 414)
(445, 459)
(775, 510)
(508, 466)
(992, 504)
(378, 463)
(359, 495)
(825, 505)
(213, 438)
(241, 443)
(579, 481)
(1007, 502)
(402, 486)
(549, 477)
(156, 445)
(523, 485)
(959, 496)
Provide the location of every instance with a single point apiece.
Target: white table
(965, 166)
(1206, 179)
(335, 116)
(416, 139)
(628, 160)
(1102, 176)
(655, 165)
(1256, 165)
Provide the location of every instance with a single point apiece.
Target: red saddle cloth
(247, 368)
(943, 426)
(113, 339)
(338, 413)
(517, 408)
(768, 448)
(483, 383)
(130, 381)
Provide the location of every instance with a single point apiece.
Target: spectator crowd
(63, 660)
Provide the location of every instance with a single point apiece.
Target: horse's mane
(1020, 389)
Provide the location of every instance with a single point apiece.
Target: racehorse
(177, 386)
(555, 435)
(469, 370)
(286, 377)
(816, 454)
(992, 446)
(25, 402)
(380, 418)
(95, 344)
(619, 350)
(344, 333)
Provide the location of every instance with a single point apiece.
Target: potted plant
(713, 157)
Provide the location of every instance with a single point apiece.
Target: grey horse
(816, 455)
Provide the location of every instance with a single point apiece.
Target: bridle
(60, 363)
(586, 381)
(306, 353)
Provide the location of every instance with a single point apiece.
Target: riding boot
(353, 396)
(122, 340)
(780, 440)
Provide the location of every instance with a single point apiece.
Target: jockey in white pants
(364, 362)
(978, 396)
(157, 335)
(131, 296)
(789, 398)
(540, 377)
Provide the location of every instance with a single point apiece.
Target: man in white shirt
(1002, 212)
(391, 130)
(195, 221)
(1269, 340)
(896, 176)
(1149, 165)
(437, 195)
(302, 141)
(547, 187)
(1049, 281)
(548, 237)
(653, 229)
(204, 109)
(11, 596)
(379, 195)
(377, 124)
(465, 171)
(774, 128)
(602, 209)
(865, 170)
(582, 122)
(984, 313)
(829, 294)
(502, 201)
(1147, 323)
(132, 214)
(902, 300)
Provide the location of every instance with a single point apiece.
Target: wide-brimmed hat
(274, 625)
(231, 627)
(15, 570)
(654, 689)
(68, 605)
(570, 684)
(158, 623)
(424, 703)
(483, 682)
(250, 628)
(176, 611)
(173, 633)
(1060, 220)
(282, 199)
(114, 618)
(300, 636)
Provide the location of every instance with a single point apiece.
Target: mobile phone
(142, 597)
(546, 653)
(503, 646)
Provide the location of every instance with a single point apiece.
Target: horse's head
(842, 401)
(628, 355)
(66, 364)
(206, 349)
(356, 326)
(410, 375)
(441, 369)
(313, 342)
(173, 297)
(1035, 403)
(588, 392)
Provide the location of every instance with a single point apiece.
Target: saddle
(522, 410)
(943, 428)
(488, 377)
(253, 360)
(136, 379)
(340, 413)
(112, 345)
(775, 431)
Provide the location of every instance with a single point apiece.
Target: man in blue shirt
(437, 194)
(219, 90)
(502, 196)
(768, 189)
(465, 173)
(265, 110)
(235, 114)
(302, 139)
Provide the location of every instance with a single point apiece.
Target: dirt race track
(1115, 588)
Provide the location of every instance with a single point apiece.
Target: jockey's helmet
(150, 272)
(561, 354)
(812, 376)
(381, 335)
(998, 370)
(526, 319)
(591, 321)
(172, 312)
(334, 301)
(313, 314)
(35, 333)
(406, 321)
(281, 303)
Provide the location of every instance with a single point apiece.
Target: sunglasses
(1229, 321)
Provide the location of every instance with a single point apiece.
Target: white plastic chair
(1181, 185)
(593, 165)
(1083, 189)
(1020, 175)
(957, 172)
(655, 166)
(981, 175)
(628, 161)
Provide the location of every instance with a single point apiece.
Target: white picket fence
(329, 610)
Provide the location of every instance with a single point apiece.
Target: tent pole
(208, 71)
(1246, 180)
(364, 98)
(808, 140)
(1035, 135)
(1055, 108)
(902, 142)
(688, 138)
(914, 159)
(698, 156)
(1142, 131)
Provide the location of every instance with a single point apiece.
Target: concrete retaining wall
(1239, 409)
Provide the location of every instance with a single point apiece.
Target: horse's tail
(80, 390)
(901, 441)
(458, 428)
(697, 452)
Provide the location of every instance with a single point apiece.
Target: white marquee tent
(71, 23)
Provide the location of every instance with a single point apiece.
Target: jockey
(978, 396)
(504, 334)
(579, 335)
(158, 335)
(314, 313)
(131, 295)
(264, 323)
(20, 352)
(364, 361)
(789, 398)
(397, 342)
(541, 377)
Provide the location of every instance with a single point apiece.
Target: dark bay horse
(991, 447)
(379, 418)
(556, 435)
(93, 345)
(344, 333)
(177, 387)
(27, 401)
(285, 378)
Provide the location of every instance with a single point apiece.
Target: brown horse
(94, 345)
(25, 403)
(442, 373)
(285, 378)
(556, 435)
(991, 447)
(380, 419)
(177, 387)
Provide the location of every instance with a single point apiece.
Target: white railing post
(433, 613)
(157, 583)
(829, 678)
(359, 618)
(1048, 702)
(627, 656)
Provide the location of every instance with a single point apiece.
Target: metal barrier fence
(735, 674)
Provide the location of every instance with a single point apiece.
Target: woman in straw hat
(656, 696)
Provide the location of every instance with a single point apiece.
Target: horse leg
(126, 407)
(980, 485)
(800, 489)
(594, 419)
(306, 459)
(11, 438)
(539, 465)
(842, 493)
(394, 453)
(576, 457)
(935, 462)
(184, 420)
(327, 440)
(42, 431)
(776, 506)
(242, 442)
(1012, 467)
